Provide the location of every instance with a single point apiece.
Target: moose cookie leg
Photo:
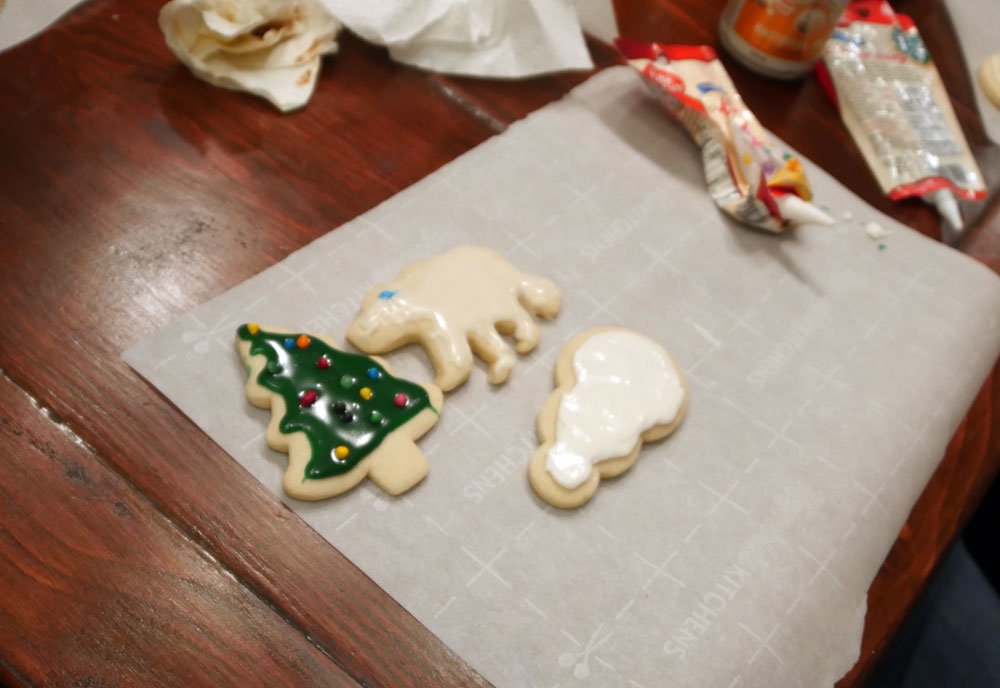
(491, 347)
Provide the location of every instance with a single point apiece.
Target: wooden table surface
(133, 550)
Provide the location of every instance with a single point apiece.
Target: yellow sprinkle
(747, 159)
(253, 328)
(341, 452)
(366, 393)
(302, 342)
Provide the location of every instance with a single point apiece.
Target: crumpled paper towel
(495, 38)
(271, 48)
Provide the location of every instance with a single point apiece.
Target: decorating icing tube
(892, 100)
(748, 178)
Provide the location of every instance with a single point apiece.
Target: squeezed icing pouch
(892, 100)
(747, 176)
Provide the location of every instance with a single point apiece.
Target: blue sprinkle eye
(388, 294)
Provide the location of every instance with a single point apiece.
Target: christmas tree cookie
(339, 416)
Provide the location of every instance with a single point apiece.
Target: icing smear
(625, 384)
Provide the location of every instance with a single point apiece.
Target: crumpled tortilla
(271, 48)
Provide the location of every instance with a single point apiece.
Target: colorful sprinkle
(316, 405)
(303, 341)
(388, 294)
(400, 400)
(376, 417)
(322, 362)
(366, 393)
(253, 328)
(347, 382)
(374, 374)
(341, 452)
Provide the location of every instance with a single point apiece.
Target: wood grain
(131, 192)
(93, 575)
(137, 193)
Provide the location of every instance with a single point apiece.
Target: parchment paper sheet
(826, 377)
(976, 25)
(22, 19)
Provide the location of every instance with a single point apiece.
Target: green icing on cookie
(343, 424)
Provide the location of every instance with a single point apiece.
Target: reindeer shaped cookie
(454, 304)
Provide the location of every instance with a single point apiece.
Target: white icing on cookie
(625, 384)
(454, 304)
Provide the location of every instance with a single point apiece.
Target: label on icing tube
(892, 100)
(747, 177)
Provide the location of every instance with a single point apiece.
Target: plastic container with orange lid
(779, 38)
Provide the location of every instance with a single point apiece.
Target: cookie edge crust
(382, 465)
(544, 485)
(988, 75)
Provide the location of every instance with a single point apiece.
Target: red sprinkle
(400, 400)
(322, 362)
(307, 398)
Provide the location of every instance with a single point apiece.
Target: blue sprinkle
(289, 343)
(374, 374)
(707, 86)
(388, 294)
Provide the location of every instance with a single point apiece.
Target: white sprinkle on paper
(876, 231)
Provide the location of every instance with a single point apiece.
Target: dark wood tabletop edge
(11, 677)
(970, 464)
(466, 103)
(429, 660)
(191, 536)
(217, 617)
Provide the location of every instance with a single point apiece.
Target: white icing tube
(947, 207)
(893, 101)
(800, 212)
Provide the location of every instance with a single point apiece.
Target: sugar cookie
(615, 390)
(454, 304)
(989, 78)
(340, 416)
